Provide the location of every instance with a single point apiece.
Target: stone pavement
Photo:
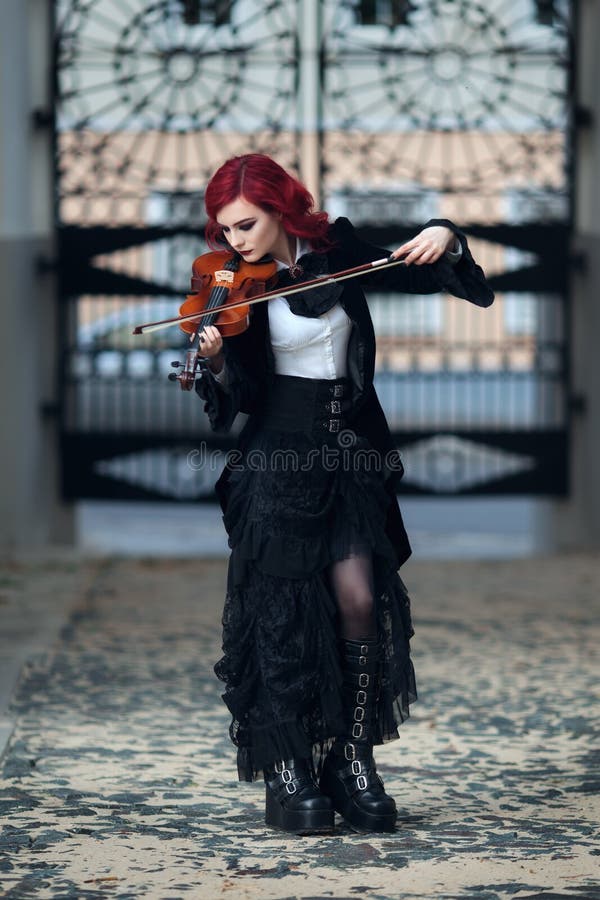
(118, 779)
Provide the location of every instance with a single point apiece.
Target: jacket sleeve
(463, 279)
(222, 402)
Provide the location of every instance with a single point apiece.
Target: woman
(316, 624)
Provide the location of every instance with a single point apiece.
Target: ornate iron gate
(393, 112)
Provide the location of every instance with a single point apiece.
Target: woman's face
(253, 232)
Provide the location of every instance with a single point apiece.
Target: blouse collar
(302, 247)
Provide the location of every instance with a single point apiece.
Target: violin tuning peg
(176, 364)
(172, 376)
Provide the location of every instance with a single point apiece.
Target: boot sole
(359, 819)
(298, 821)
(362, 821)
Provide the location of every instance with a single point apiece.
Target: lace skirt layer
(298, 501)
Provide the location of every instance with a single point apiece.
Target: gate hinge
(49, 409)
(578, 261)
(578, 403)
(42, 118)
(583, 117)
(45, 264)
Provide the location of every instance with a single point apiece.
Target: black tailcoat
(250, 361)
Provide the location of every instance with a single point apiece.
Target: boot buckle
(361, 698)
(362, 660)
(359, 713)
(286, 776)
(356, 767)
(364, 649)
(363, 679)
(349, 751)
(362, 783)
(357, 730)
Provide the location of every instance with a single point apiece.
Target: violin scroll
(190, 368)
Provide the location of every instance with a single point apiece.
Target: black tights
(351, 581)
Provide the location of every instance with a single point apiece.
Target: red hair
(261, 181)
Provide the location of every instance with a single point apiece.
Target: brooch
(295, 271)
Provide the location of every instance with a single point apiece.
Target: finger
(210, 333)
(416, 254)
(428, 257)
(404, 248)
(210, 340)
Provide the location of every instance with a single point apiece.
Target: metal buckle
(335, 406)
(279, 767)
(359, 713)
(338, 390)
(286, 775)
(364, 649)
(290, 787)
(363, 679)
(334, 424)
(361, 697)
(362, 783)
(362, 660)
(356, 767)
(349, 751)
(357, 730)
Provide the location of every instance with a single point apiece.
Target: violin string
(217, 296)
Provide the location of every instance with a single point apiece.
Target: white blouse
(309, 347)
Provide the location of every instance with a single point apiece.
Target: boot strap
(360, 777)
(361, 688)
(287, 781)
(351, 750)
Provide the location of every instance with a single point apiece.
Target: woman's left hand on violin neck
(428, 246)
(211, 346)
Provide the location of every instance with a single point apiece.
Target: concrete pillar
(30, 510)
(575, 522)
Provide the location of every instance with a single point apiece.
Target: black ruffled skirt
(307, 491)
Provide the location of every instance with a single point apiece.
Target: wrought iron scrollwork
(452, 96)
(155, 93)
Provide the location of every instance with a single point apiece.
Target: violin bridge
(222, 276)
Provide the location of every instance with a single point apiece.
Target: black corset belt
(313, 405)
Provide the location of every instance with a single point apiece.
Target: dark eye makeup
(245, 227)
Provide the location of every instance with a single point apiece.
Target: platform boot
(349, 775)
(293, 800)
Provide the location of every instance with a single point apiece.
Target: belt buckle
(334, 424)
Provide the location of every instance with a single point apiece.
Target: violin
(219, 279)
(225, 289)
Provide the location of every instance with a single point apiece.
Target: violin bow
(384, 263)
